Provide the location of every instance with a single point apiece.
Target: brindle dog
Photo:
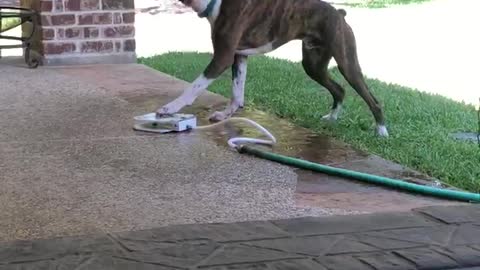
(241, 28)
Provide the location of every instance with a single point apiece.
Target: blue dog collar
(208, 11)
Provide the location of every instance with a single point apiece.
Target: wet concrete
(320, 190)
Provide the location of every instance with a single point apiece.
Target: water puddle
(315, 189)
(466, 136)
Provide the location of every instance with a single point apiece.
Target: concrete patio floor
(71, 164)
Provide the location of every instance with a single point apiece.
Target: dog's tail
(343, 12)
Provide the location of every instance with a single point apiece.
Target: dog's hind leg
(315, 63)
(239, 76)
(345, 54)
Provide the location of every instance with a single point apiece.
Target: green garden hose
(238, 143)
(368, 178)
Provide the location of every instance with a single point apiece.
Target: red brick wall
(87, 28)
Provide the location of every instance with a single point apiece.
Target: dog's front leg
(187, 97)
(239, 76)
(223, 57)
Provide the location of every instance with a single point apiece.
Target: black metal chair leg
(26, 15)
(32, 62)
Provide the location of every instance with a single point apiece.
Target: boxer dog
(241, 28)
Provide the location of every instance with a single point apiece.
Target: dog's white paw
(170, 108)
(330, 117)
(333, 115)
(382, 131)
(218, 116)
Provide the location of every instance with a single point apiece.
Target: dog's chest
(268, 47)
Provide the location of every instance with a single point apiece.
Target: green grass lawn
(419, 123)
(381, 3)
(9, 23)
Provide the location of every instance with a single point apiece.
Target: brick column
(85, 31)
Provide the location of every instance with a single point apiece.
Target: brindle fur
(246, 24)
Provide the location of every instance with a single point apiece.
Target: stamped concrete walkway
(430, 238)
